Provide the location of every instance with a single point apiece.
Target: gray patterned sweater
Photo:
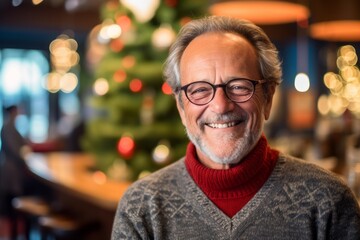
(298, 201)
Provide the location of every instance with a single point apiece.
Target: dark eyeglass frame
(223, 86)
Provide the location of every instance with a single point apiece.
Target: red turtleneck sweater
(232, 188)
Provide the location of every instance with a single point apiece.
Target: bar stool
(28, 208)
(63, 227)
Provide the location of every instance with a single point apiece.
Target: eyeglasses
(237, 90)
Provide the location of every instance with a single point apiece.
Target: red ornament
(185, 20)
(136, 85)
(116, 45)
(171, 3)
(126, 146)
(124, 22)
(166, 88)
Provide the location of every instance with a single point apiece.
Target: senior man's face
(223, 131)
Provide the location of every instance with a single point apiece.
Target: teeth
(223, 125)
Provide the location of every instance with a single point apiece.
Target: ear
(269, 100)
(181, 111)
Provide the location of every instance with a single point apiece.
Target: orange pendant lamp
(334, 20)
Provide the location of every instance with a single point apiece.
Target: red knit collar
(243, 179)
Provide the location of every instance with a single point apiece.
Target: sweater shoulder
(301, 172)
(168, 178)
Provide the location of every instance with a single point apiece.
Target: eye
(199, 90)
(240, 87)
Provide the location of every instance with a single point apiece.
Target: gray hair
(268, 58)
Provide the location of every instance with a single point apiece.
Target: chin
(240, 147)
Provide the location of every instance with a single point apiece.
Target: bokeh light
(166, 89)
(101, 86)
(126, 146)
(344, 87)
(136, 85)
(302, 82)
(161, 153)
(120, 76)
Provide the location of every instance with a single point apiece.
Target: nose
(221, 103)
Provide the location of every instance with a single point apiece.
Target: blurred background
(86, 76)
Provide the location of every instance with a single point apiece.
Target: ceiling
(32, 26)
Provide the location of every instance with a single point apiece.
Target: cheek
(188, 114)
(256, 109)
(192, 116)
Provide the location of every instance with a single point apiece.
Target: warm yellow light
(345, 30)
(349, 54)
(68, 82)
(63, 53)
(99, 177)
(52, 82)
(323, 105)
(163, 37)
(143, 10)
(352, 91)
(128, 61)
(337, 105)
(262, 12)
(354, 107)
(37, 2)
(161, 153)
(350, 74)
(101, 86)
(333, 81)
(110, 31)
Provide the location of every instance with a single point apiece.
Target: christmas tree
(135, 128)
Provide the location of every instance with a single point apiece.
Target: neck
(225, 166)
(213, 165)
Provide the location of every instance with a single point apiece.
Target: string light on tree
(147, 109)
(119, 76)
(116, 45)
(166, 89)
(143, 10)
(161, 152)
(126, 146)
(109, 30)
(136, 85)
(124, 22)
(128, 61)
(101, 87)
(163, 37)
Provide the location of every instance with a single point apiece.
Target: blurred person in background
(13, 171)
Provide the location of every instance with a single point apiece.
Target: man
(231, 184)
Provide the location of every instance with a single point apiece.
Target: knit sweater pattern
(298, 201)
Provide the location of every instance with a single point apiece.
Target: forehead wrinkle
(203, 53)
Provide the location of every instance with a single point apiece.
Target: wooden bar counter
(88, 194)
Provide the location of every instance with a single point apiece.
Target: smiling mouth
(223, 125)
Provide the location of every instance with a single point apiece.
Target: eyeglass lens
(201, 93)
